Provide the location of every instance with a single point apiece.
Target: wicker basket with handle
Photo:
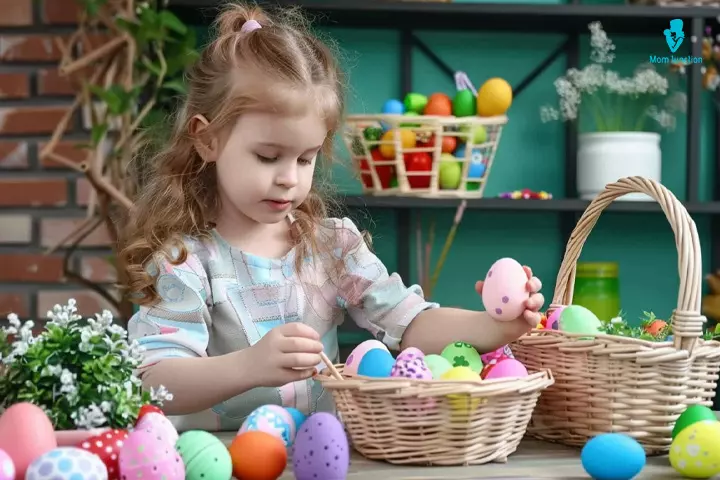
(619, 384)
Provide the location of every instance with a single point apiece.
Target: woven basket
(678, 3)
(436, 422)
(618, 384)
(387, 174)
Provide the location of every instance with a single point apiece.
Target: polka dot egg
(67, 463)
(271, 419)
(414, 368)
(145, 456)
(7, 467)
(695, 451)
(504, 291)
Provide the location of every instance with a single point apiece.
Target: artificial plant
(125, 85)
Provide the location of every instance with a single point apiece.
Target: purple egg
(321, 449)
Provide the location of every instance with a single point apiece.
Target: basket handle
(687, 321)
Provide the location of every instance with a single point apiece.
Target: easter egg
(415, 102)
(144, 456)
(462, 403)
(505, 290)
(494, 98)
(464, 103)
(393, 107)
(297, 416)
(25, 433)
(106, 446)
(476, 170)
(204, 455)
(7, 467)
(414, 368)
(578, 319)
(145, 409)
(410, 353)
(479, 134)
(553, 321)
(160, 426)
(437, 365)
(272, 419)
(450, 175)
(691, 415)
(357, 353)
(461, 354)
(407, 140)
(612, 456)
(67, 463)
(438, 104)
(321, 449)
(460, 151)
(416, 162)
(449, 144)
(506, 368)
(695, 451)
(376, 363)
(257, 455)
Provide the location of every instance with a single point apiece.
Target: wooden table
(533, 460)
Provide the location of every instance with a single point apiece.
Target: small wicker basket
(618, 384)
(411, 161)
(435, 422)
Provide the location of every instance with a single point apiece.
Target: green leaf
(170, 21)
(175, 85)
(98, 132)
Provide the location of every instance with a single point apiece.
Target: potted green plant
(626, 115)
(81, 373)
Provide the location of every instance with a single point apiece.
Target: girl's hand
(286, 354)
(533, 304)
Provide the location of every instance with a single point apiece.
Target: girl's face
(266, 166)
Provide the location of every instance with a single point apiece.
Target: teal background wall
(530, 156)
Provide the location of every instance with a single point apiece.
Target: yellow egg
(408, 139)
(695, 452)
(462, 404)
(494, 98)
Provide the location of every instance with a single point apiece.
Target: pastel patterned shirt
(221, 299)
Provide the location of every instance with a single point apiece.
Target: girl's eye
(304, 161)
(265, 159)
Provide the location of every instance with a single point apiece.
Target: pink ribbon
(249, 26)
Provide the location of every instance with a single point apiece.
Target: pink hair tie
(249, 26)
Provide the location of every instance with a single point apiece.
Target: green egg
(461, 354)
(692, 414)
(578, 319)
(205, 457)
(437, 365)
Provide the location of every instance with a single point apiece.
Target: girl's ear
(205, 143)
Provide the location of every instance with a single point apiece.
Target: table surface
(532, 460)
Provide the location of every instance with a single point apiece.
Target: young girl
(241, 277)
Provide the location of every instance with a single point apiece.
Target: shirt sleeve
(377, 301)
(176, 325)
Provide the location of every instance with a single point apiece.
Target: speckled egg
(695, 451)
(321, 449)
(414, 368)
(505, 290)
(160, 426)
(271, 419)
(7, 467)
(353, 360)
(144, 456)
(204, 455)
(410, 353)
(67, 463)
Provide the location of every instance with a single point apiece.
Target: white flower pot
(606, 157)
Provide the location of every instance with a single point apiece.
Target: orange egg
(257, 455)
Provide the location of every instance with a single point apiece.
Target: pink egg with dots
(353, 360)
(553, 320)
(160, 426)
(7, 467)
(144, 456)
(505, 291)
(410, 353)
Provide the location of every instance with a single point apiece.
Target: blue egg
(476, 170)
(612, 456)
(377, 363)
(297, 415)
(393, 107)
(460, 151)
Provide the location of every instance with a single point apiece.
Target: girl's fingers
(479, 286)
(528, 271)
(300, 360)
(535, 302)
(534, 285)
(299, 345)
(533, 318)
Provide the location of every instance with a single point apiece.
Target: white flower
(601, 46)
(89, 417)
(160, 395)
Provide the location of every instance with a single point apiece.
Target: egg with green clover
(461, 354)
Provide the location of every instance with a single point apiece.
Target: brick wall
(40, 201)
